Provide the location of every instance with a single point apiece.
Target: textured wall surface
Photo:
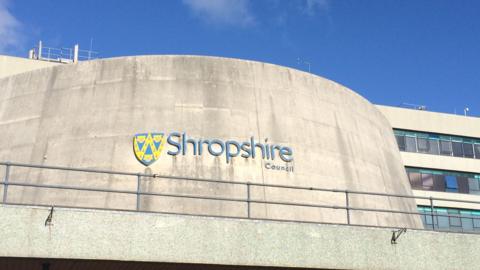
(85, 115)
(10, 65)
(79, 234)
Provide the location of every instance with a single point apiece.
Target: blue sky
(424, 52)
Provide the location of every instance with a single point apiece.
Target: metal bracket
(396, 235)
(48, 221)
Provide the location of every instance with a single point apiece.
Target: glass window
(446, 148)
(437, 144)
(428, 218)
(400, 142)
(477, 150)
(467, 222)
(422, 145)
(454, 221)
(415, 180)
(439, 182)
(433, 147)
(457, 149)
(462, 183)
(473, 186)
(468, 150)
(443, 222)
(451, 219)
(427, 181)
(476, 222)
(451, 183)
(410, 144)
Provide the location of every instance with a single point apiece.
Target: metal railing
(248, 200)
(61, 55)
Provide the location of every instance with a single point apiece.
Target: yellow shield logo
(148, 146)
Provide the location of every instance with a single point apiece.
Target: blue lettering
(231, 148)
(210, 148)
(185, 142)
(246, 149)
(228, 153)
(285, 154)
(174, 143)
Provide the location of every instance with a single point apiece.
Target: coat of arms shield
(147, 147)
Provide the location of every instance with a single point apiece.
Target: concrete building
(257, 165)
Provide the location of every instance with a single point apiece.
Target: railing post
(347, 206)
(5, 185)
(248, 199)
(138, 191)
(431, 213)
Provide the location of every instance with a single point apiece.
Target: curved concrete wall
(86, 115)
(10, 65)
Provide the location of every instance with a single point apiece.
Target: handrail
(248, 200)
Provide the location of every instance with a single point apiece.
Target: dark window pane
(410, 144)
(477, 150)
(446, 148)
(434, 148)
(451, 183)
(400, 142)
(468, 150)
(473, 186)
(439, 182)
(415, 180)
(427, 181)
(462, 184)
(422, 145)
(457, 149)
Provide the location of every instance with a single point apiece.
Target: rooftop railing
(247, 201)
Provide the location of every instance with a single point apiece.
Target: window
(410, 144)
(437, 144)
(477, 150)
(451, 183)
(434, 147)
(400, 142)
(443, 222)
(422, 145)
(462, 183)
(415, 180)
(446, 148)
(427, 181)
(476, 221)
(451, 219)
(454, 219)
(440, 180)
(468, 150)
(457, 149)
(467, 221)
(473, 186)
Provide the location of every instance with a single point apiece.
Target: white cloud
(10, 36)
(313, 6)
(222, 12)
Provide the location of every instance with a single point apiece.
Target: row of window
(438, 180)
(429, 143)
(457, 219)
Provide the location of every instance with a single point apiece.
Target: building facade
(441, 154)
(184, 162)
